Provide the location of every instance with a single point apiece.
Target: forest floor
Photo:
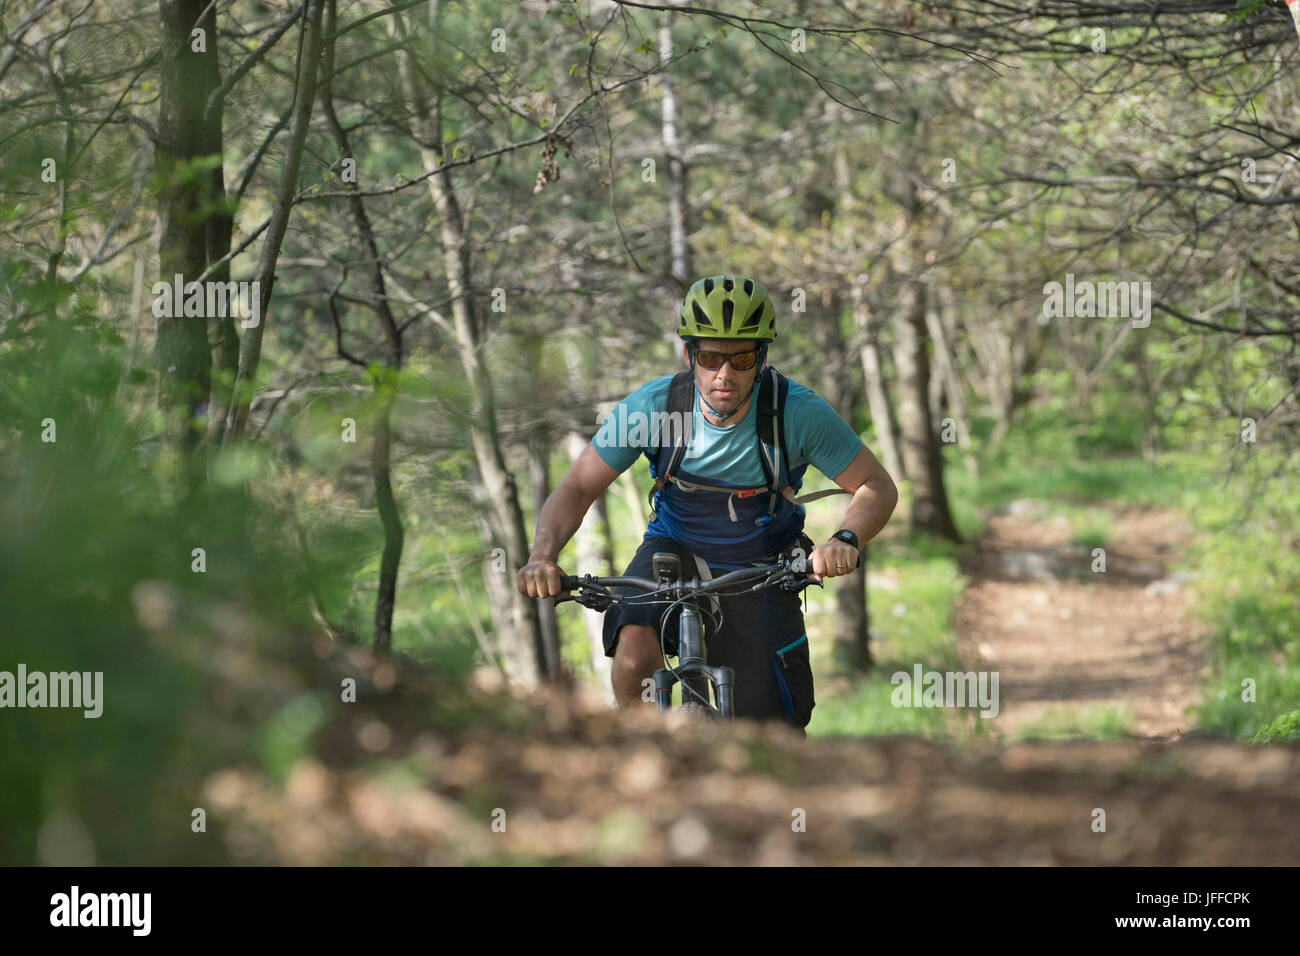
(1077, 648)
(581, 785)
(555, 777)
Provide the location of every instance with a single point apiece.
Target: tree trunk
(853, 620)
(869, 355)
(948, 377)
(592, 540)
(877, 397)
(833, 385)
(394, 536)
(221, 329)
(934, 393)
(539, 447)
(922, 460)
(512, 610)
(1150, 421)
(394, 533)
(922, 457)
(184, 359)
(514, 646)
(251, 349)
(676, 170)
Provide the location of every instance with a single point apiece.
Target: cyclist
(717, 510)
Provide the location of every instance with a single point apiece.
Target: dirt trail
(580, 785)
(1065, 639)
(422, 770)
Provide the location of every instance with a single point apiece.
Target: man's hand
(833, 558)
(539, 578)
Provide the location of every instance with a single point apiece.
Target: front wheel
(696, 710)
(690, 702)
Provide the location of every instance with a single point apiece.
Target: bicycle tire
(694, 708)
(702, 686)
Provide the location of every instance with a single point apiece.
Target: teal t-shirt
(728, 456)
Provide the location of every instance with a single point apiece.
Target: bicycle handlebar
(598, 587)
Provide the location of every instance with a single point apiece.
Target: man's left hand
(833, 559)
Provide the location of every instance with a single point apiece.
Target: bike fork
(693, 669)
(722, 678)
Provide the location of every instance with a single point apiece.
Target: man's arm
(559, 520)
(874, 499)
(874, 495)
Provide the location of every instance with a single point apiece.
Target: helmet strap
(716, 414)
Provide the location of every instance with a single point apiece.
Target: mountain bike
(693, 670)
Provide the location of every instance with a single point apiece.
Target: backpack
(770, 429)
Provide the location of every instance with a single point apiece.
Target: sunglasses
(740, 361)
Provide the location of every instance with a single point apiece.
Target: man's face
(724, 388)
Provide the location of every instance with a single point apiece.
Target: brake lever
(599, 600)
(798, 584)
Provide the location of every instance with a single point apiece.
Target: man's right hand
(540, 578)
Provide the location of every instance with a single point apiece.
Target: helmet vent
(728, 307)
(752, 321)
(708, 286)
(700, 317)
(728, 285)
(749, 287)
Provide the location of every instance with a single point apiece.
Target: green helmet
(727, 307)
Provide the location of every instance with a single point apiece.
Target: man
(727, 323)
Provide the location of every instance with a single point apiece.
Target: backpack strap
(706, 575)
(772, 392)
(681, 396)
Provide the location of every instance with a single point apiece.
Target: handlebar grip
(569, 582)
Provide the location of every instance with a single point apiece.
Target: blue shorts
(762, 638)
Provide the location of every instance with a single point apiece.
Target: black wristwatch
(848, 537)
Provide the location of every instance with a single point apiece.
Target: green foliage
(1090, 723)
(287, 737)
(96, 577)
(1286, 729)
(1053, 460)
(1277, 688)
(1248, 564)
(911, 623)
(1245, 9)
(1092, 529)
